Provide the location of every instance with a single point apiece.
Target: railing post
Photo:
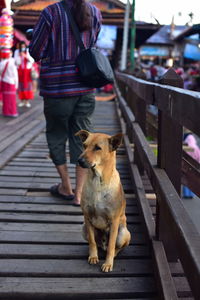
(122, 88)
(140, 117)
(141, 107)
(170, 136)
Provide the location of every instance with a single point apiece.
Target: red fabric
(9, 100)
(24, 74)
(108, 88)
(2, 76)
(25, 90)
(153, 71)
(26, 95)
(5, 53)
(195, 72)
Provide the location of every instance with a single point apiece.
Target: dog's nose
(83, 162)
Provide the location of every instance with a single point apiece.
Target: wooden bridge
(42, 253)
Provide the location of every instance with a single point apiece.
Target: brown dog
(103, 202)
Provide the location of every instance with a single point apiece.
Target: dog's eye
(96, 148)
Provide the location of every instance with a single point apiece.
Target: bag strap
(4, 71)
(74, 26)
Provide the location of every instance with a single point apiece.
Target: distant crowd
(190, 74)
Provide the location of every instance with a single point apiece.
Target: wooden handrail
(182, 105)
(174, 226)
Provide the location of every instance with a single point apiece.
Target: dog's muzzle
(84, 163)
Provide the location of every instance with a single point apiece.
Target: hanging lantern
(6, 29)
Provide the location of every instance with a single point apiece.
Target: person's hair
(21, 43)
(82, 14)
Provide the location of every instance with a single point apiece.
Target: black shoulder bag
(94, 68)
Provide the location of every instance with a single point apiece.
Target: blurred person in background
(189, 139)
(24, 64)
(9, 83)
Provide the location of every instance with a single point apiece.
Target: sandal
(55, 192)
(76, 204)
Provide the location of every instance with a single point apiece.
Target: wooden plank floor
(42, 252)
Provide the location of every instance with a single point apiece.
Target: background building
(26, 13)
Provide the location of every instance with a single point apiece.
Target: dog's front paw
(93, 260)
(107, 267)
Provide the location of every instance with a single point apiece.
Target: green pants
(65, 117)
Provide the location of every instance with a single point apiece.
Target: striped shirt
(54, 45)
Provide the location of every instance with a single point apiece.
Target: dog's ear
(83, 134)
(115, 141)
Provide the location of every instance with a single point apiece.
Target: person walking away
(24, 64)
(68, 103)
(9, 83)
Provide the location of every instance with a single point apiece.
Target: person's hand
(23, 54)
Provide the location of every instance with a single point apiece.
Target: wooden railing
(177, 109)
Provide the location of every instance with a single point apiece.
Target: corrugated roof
(188, 31)
(163, 36)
